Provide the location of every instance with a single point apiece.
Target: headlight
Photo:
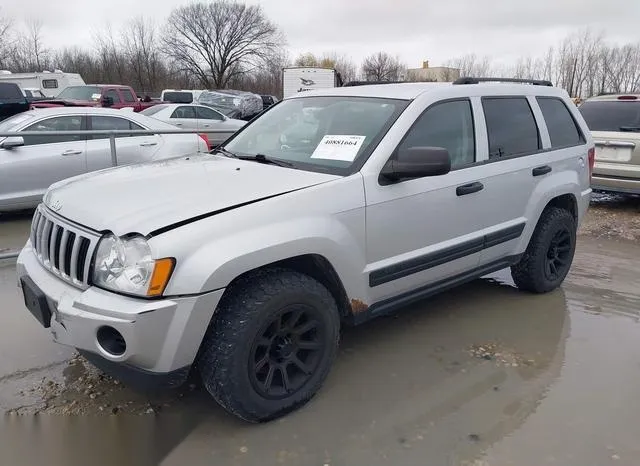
(125, 265)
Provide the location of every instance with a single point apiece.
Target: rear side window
(10, 91)
(611, 115)
(563, 129)
(103, 123)
(511, 127)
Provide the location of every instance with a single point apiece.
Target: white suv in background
(244, 263)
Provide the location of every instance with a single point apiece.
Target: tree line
(227, 44)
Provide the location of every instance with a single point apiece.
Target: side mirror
(417, 162)
(12, 142)
(107, 101)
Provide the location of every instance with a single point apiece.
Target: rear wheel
(271, 344)
(549, 255)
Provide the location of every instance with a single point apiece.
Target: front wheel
(271, 344)
(549, 255)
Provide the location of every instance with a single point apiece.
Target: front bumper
(161, 336)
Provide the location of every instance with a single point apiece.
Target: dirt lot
(612, 216)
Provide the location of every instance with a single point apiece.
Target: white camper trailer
(299, 79)
(51, 83)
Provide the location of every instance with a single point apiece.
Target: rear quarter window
(563, 129)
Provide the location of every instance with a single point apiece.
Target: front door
(423, 230)
(26, 172)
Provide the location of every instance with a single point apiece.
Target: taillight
(592, 160)
(628, 97)
(205, 139)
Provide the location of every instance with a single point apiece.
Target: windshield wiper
(225, 152)
(630, 129)
(264, 159)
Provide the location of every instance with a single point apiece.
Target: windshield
(81, 93)
(153, 110)
(327, 134)
(611, 115)
(11, 123)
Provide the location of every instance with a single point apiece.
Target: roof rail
(368, 83)
(535, 82)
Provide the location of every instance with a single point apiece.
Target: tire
(553, 240)
(252, 340)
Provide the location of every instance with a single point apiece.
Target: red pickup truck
(97, 95)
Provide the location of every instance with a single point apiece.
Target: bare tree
(382, 67)
(221, 40)
(306, 59)
(37, 52)
(6, 39)
(471, 65)
(142, 51)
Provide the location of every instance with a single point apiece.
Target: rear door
(129, 148)
(128, 100)
(26, 172)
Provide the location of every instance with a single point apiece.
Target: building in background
(437, 73)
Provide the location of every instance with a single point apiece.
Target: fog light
(111, 341)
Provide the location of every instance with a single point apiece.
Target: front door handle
(178, 124)
(72, 152)
(150, 143)
(469, 188)
(539, 171)
(207, 126)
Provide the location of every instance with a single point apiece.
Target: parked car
(97, 95)
(12, 100)
(614, 121)
(268, 101)
(244, 105)
(247, 261)
(180, 96)
(197, 117)
(30, 164)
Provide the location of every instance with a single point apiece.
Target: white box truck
(51, 83)
(299, 79)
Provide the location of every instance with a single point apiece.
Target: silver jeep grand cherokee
(333, 207)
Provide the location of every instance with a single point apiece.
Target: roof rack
(535, 82)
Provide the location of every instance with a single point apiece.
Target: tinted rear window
(511, 126)
(10, 92)
(178, 97)
(563, 130)
(610, 115)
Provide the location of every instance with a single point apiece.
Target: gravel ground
(613, 216)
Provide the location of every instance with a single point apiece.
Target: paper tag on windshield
(338, 147)
(95, 96)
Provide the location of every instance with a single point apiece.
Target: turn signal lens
(160, 277)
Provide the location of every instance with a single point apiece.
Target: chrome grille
(64, 249)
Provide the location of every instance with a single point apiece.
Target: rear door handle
(207, 126)
(539, 171)
(469, 188)
(178, 124)
(72, 152)
(146, 144)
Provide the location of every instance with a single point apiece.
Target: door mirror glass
(417, 162)
(11, 142)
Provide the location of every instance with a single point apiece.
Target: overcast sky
(415, 30)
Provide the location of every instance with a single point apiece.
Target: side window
(448, 125)
(563, 129)
(103, 123)
(28, 93)
(62, 123)
(184, 112)
(114, 95)
(50, 84)
(207, 114)
(127, 95)
(511, 127)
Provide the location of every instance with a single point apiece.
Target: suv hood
(146, 197)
